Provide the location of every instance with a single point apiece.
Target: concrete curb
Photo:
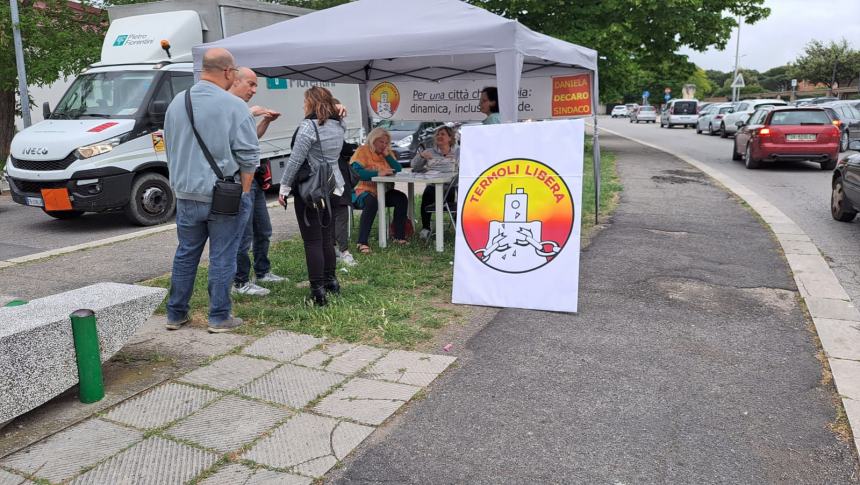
(94, 244)
(835, 317)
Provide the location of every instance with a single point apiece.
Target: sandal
(363, 248)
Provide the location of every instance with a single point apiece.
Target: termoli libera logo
(384, 99)
(518, 215)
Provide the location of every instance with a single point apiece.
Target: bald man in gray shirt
(229, 132)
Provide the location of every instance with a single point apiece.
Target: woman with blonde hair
(317, 140)
(370, 160)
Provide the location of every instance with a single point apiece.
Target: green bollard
(15, 303)
(86, 336)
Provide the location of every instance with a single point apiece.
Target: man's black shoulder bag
(227, 194)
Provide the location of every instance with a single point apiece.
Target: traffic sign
(646, 94)
(739, 81)
(794, 83)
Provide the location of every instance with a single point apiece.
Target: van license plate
(803, 137)
(35, 201)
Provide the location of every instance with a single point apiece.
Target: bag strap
(327, 196)
(206, 153)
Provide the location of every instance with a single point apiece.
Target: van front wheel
(152, 201)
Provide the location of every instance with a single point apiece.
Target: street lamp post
(737, 57)
(19, 61)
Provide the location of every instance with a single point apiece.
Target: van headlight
(405, 142)
(99, 148)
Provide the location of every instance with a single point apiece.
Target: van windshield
(116, 94)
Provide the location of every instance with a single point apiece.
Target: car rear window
(646, 108)
(685, 108)
(800, 117)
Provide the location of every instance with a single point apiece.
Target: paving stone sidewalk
(285, 409)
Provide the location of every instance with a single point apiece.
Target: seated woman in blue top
(371, 160)
(444, 158)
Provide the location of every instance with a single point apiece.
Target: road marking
(812, 274)
(94, 244)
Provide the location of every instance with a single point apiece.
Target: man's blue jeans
(258, 230)
(194, 225)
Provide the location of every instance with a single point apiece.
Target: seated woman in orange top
(374, 159)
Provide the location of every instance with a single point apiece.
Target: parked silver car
(711, 116)
(648, 114)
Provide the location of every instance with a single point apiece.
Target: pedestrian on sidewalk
(259, 228)
(318, 140)
(227, 129)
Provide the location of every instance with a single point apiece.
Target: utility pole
(19, 61)
(737, 56)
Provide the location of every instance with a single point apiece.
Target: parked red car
(783, 134)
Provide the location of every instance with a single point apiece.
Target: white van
(684, 112)
(102, 150)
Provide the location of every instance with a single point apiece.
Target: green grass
(396, 297)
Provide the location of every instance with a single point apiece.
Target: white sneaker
(249, 289)
(424, 234)
(347, 259)
(271, 278)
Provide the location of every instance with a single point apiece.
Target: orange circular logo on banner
(384, 99)
(518, 215)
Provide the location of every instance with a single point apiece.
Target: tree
(776, 79)
(818, 61)
(58, 39)
(632, 36)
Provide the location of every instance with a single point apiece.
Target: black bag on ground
(227, 193)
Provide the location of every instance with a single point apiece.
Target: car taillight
(718, 117)
(837, 123)
(764, 132)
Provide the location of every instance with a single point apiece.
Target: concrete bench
(37, 355)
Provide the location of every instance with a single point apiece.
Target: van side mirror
(157, 110)
(854, 145)
(46, 110)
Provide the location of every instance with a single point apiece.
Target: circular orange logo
(384, 99)
(518, 215)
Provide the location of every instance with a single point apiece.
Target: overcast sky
(781, 37)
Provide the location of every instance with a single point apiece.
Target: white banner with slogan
(539, 98)
(520, 200)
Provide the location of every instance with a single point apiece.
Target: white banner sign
(520, 199)
(539, 98)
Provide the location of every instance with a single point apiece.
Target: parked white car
(729, 123)
(619, 110)
(711, 117)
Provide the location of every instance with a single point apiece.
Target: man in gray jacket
(227, 129)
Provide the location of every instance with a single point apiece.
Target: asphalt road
(689, 362)
(800, 190)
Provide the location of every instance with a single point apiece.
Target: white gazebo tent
(366, 41)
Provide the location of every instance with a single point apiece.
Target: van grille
(35, 187)
(44, 165)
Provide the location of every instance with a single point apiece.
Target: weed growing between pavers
(396, 297)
